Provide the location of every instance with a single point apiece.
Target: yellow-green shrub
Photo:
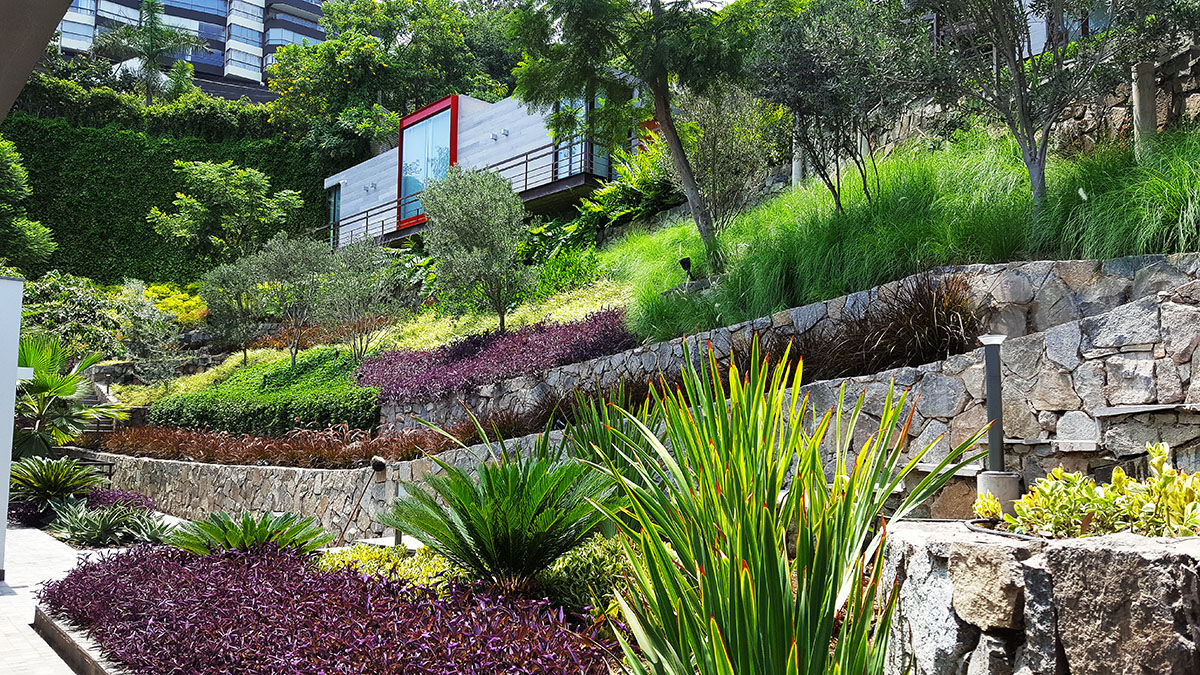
(184, 303)
(423, 568)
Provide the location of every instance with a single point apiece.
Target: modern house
(380, 198)
(242, 35)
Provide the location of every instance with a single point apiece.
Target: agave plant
(514, 518)
(221, 532)
(50, 410)
(47, 481)
(713, 589)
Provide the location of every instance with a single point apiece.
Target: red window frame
(451, 103)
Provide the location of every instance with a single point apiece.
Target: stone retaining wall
(1029, 297)
(983, 604)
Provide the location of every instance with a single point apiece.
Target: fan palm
(152, 42)
(50, 410)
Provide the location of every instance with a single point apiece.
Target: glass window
(83, 6)
(335, 203)
(234, 57)
(426, 158)
(207, 6)
(211, 31)
(282, 36)
(76, 31)
(246, 10)
(298, 20)
(210, 58)
(242, 34)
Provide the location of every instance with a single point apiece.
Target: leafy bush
(115, 525)
(184, 303)
(491, 357)
(598, 429)
(335, 448)
(219, 532)
(587, 576)
(315, 335)
(422, 568)
(101, 497)
(85, 316)
(271, 610)
(46, 481)
(511, 523)
(566, 270)
(1065, 504)
(642, 187)
(27, 513)
(23, 242)
(137, 394)
(272, 398)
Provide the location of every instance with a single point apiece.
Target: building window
(278, 37)
(245, 35)
(334, 195)
(208, 58)
(218, 7)
(76, 31)
(425, 148)
(211, 31)
(240, 59)
(83, 6)
(298, 20)
(246, 10)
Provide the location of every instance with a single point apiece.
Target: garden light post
(1004, 485)
(10, 335)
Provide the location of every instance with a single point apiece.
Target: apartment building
(243, 35)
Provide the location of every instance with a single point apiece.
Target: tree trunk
(700, 214)
(1035, 163)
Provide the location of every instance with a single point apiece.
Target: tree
(149, 335)
(476, 222)
(179, 80)
(359, 292)
(292, 273)
(600, 49)
(234, 301)
(1022, 63)
(229, 212)
(23, 242)
(832, 66)
(151, 42)
(49, 407)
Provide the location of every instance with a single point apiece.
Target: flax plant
(713, 589)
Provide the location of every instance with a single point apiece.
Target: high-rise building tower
(242, 35)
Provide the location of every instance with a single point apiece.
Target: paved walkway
(32, 557)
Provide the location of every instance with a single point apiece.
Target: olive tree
(232, 294)
(476, 222)
(360, 291)
(292, 273)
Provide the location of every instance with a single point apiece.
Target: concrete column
(11, 291)
(1145, 107)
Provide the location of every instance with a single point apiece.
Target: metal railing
(373, 223)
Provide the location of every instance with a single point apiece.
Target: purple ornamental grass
(490, 357)
(102, 497)
(157, 609)
(25, 512)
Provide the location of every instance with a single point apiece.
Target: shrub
(491, 357)
(642, 187)
(185, 304)
(316, 335)
(219, 532)
(26, 512)
(136, 394)
(155, 609)
(46, 481)
(335, 448)
(86, 317)
(101, 497)
(274, 397)
(566, 270)
(421, 568)
(587, 576)
(510, 523)
(1065, 504)
(599, 431)
(115, 525)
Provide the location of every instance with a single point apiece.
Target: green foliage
(49, 410)
(272, 397)
(23, 242)
(566, 270)
(512, 520)
(587, 576)
(136, 394)
(423, 567)
(83, 315)
(107, 526)
(642, 187)
(711, 588)
(1064, 504)
(153, 43)
(360, 290)
(220, 532)
(292, 273)
(93, 187)
(476, 262)
(227, 212)
(235, 304)
(602, 427)
(184, 304)
(150, 336)
(48, 481)
(179, 80)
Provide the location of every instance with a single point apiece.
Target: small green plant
(513, 519)
(220, 532)
(47, 481)
(1068, 504)
(423, 567)
(116, 525)
(585, 578)
(601, 431)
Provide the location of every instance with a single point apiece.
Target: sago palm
(713, 590)
(50, 410)
(152, 42)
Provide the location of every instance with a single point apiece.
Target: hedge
(273, 398)
(94, 186)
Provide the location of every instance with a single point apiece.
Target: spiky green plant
(711, 588)
(107, 526)
(219, 531)
(598, 430)
(47, 481)
(513, 518)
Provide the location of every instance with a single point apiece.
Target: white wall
(10, 335)
(369, 184)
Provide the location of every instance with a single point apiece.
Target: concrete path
(32, 557)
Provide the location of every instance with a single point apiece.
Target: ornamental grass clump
(712, 588)
(490, 357)
(1068, 504)
(155, 609)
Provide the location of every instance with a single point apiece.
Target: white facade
(10, 335)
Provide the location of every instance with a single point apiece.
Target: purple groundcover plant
(157, 609)
(25, 512)
(109, 497)
(491, 357)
